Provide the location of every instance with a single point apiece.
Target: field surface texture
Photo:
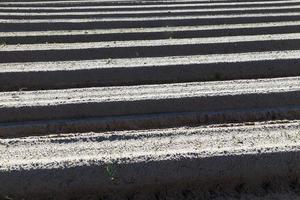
(150, 99)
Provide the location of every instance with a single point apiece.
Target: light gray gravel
(204, 3)
(212, 10)
(149, 62)
(90, 117)
(150, 43)
(50, 152)
(69, 2)
(149, 30)
(93, 162)
(149, 92)
(149, 99)
(128, 19)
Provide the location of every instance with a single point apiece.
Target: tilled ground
(154, 99)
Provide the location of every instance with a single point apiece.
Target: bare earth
(132, 158)
(149, 100)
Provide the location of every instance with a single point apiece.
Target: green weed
(111, 171)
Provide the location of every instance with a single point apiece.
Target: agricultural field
(149, 99)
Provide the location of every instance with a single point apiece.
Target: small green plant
(111, 171)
